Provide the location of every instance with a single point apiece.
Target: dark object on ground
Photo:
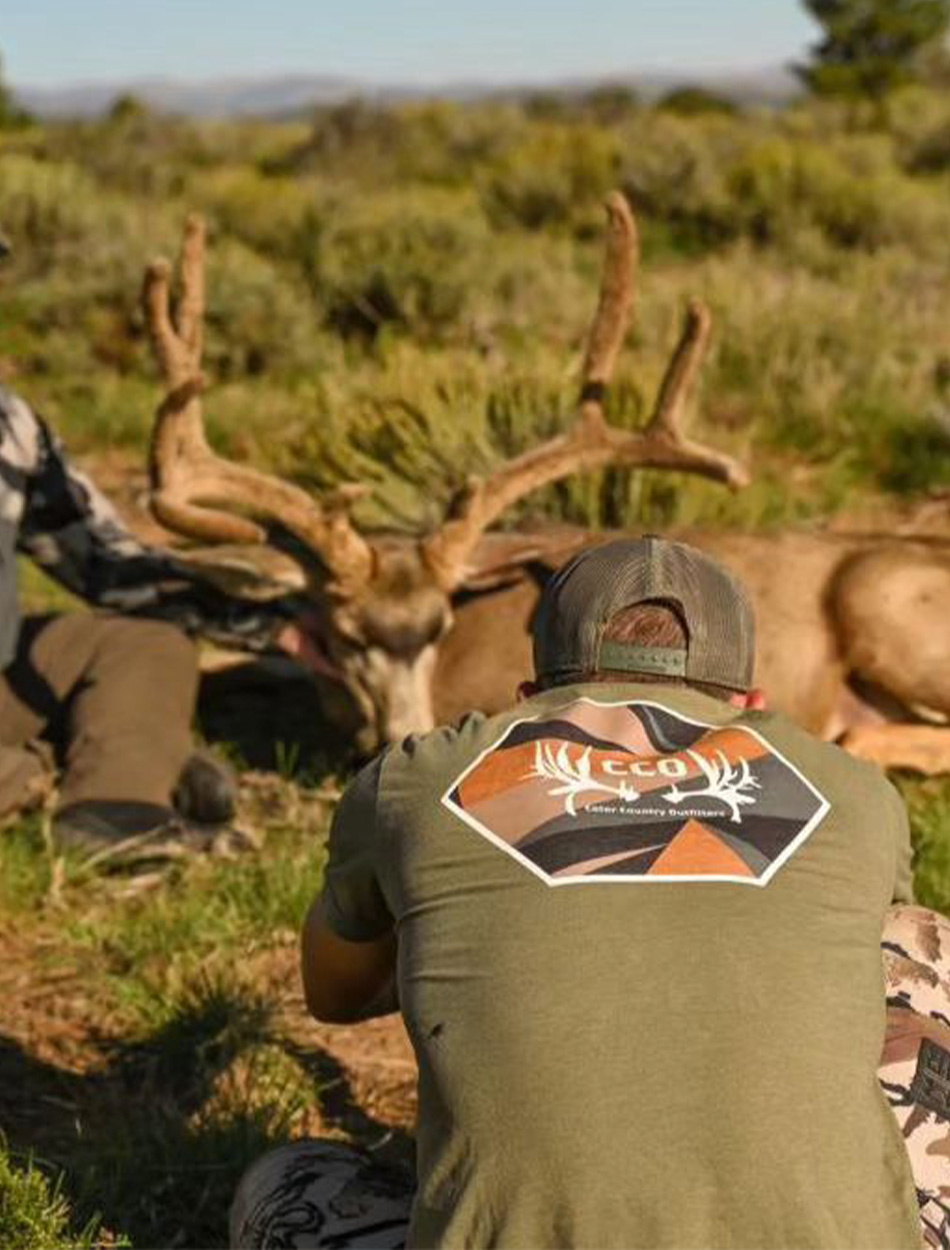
(274, 715)
(207, 790)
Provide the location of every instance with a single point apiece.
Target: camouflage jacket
(52, 513)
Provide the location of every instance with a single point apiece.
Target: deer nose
(412, 713)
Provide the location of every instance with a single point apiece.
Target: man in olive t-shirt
(637, 921)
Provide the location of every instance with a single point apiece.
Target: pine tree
(871, 47)
(11, 114)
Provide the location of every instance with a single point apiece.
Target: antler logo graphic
(731, 784)
(574, 777)
(728, 783)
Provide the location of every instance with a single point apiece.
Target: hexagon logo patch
(637, 793)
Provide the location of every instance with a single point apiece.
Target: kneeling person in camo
(635, 928)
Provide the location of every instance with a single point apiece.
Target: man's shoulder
(862, 779)
(446, 742)
(428, 762)
(779, 727)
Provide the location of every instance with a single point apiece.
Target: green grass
(35, 1214)
(26, 875)
(182, 1074)
(39, 593)
(155, 948)
(928, 803)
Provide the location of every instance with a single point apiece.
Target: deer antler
(191, 484)
(591, 443)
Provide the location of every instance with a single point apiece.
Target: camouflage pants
(315, 1194)
(915, 1065)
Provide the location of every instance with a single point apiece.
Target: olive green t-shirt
(639, 961)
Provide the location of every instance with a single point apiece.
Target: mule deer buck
(421, 629)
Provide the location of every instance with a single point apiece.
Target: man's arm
(72, 531)
(349, 943)
(346, 981)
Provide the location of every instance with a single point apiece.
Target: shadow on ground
(155, 1136)
(274, 716)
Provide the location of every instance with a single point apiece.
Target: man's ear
(750, 701)
(526, 689)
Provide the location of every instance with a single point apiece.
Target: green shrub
(610, 103)
(849, 190)
(675, 171)
(432, 141)
(410, 261)
(356, 125)
(693, 101)
(928, 804)
(444, 258)
(932, 153)
(554, 177)
(919, 121)
(258, 319)
(265, 212)
(47, 207)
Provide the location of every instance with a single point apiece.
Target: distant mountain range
(289, 94)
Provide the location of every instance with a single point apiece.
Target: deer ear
(499, 559)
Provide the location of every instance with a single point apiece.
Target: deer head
(383, 602)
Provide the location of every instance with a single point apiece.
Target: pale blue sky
(66, 41)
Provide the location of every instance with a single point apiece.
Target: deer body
(852, 638)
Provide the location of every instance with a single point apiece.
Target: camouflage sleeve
(904, 870)
(70, 529)
(353, 903)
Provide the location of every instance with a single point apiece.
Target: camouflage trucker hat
(582, 597)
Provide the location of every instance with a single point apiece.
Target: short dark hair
(654, 623)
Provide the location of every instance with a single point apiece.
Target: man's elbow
(342, 980)
(326, 1008)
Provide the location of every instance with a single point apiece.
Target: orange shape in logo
(697, 852)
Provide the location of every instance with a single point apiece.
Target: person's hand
(299, 638)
